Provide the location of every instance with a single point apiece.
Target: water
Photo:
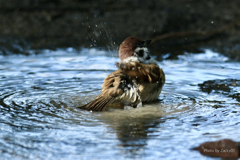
(39, 119)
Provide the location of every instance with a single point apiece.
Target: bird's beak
(147, 42)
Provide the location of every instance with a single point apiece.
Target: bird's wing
(115, 84)
(98, 104)
(149, 73)
(112, 87)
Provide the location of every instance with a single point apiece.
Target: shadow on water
(135, 127)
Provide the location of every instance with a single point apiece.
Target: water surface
(39, 119)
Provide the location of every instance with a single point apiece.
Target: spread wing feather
(98, 104)
(112, 87)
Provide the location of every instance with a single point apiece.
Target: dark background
(51, 24)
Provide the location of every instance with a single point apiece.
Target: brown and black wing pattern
(98, 104)
(112, 87)
(116, 83)
(143, 73)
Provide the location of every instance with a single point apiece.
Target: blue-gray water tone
(39, 119)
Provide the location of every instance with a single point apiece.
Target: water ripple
(39, 119)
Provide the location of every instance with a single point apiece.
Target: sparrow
(138, 79)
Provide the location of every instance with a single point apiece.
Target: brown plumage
(138, 79)
(127, 47)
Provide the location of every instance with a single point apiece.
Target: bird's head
(135, 49)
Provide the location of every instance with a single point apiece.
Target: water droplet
(157, 82)
(139, 105)
(96, 25)
(133, 68)
(139, 67)
(212, 22)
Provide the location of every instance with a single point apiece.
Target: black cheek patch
(140, 53)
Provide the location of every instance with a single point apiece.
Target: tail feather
(98, 104)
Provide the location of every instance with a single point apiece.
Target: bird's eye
(139, 45)
(140, 53)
